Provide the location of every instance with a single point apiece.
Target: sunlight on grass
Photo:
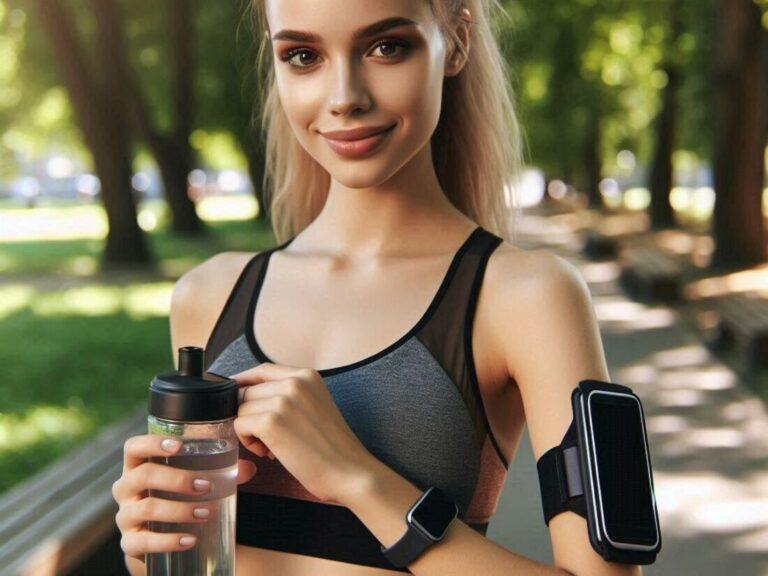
(60, 223)
(216, 208)
(85, 301)
(138, 301)
(144, 300)
(41, 423)
(74, 221)
(82, 266)
(14, 298)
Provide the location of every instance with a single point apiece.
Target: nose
(349, 93)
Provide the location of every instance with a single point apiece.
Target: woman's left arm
(550, 338)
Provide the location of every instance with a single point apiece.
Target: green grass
(78, 348)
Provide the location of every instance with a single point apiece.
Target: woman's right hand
(136, 508)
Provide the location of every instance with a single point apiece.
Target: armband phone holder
(602, 471)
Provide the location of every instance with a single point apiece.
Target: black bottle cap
(188, 395)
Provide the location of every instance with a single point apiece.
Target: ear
(455, 61)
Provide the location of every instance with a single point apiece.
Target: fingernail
(169, 445)
(201, 512)
(187, 540)
(201, 484)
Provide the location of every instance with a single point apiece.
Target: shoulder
(545, 327)
(527, 288)
(199, 296)
(211, 274)
(524, 273)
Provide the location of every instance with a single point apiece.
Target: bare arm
(557, 343)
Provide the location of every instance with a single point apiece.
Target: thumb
(245, 470)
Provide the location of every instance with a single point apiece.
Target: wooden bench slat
(50, 522)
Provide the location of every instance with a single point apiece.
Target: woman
(397, 341)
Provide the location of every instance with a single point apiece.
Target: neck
(409, 212)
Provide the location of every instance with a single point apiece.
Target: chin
(359, 176)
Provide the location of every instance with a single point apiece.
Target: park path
(708, 432)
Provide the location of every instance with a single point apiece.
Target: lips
(356, 133)
(360, 146)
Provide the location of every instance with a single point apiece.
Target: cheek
(416, 98)
(300, 99)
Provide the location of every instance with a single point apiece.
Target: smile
(360, 147)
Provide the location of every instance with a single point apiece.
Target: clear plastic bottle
(200, 411)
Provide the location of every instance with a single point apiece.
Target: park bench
(743, 322)
(599, 246)
(649, 273)
(61, 519)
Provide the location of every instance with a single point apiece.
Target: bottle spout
(191, 361)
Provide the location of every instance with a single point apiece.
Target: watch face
(434, 513)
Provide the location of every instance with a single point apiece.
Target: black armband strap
(560, 478)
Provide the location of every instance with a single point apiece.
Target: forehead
(339, 19)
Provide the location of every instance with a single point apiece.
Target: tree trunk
(255, 155)
(180, 162)
(662, 176)
(172, 153)
(592, 159)
(104, 133)
(739, 134)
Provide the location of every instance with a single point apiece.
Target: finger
(253, 444)
(132, 515)
(140, 542)
(247, 428)
(138, 448)
(266, 389)
(257, 447)
(272, 403)
(156, 476)
(264, 372)
(246, 470)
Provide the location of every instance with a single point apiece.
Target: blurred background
(128, 155)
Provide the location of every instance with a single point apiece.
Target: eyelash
(288, 56)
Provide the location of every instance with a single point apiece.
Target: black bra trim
(262, 356)
(473, 297)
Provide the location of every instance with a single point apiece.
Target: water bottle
(200, 411)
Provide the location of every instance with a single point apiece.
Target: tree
(170, 148)
(101, 116)
(739, 102)
(661, 176)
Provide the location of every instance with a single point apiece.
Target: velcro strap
(560, 478)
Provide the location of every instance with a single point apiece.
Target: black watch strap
(560, 478)
(416, 539)
(407, 548)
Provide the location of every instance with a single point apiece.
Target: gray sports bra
(415, 405)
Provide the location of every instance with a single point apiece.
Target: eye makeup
(400, 47)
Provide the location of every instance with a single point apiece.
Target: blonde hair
(476, 146)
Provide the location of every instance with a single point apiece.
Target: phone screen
(623, 469)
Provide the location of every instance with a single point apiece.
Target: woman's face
(340, 79)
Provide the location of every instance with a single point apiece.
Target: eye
(288, 56)
(396, 43)
(307, 62)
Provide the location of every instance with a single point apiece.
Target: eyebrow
(365, 32)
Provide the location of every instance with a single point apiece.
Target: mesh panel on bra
(448, 333)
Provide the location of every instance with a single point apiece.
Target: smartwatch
(428, 521)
